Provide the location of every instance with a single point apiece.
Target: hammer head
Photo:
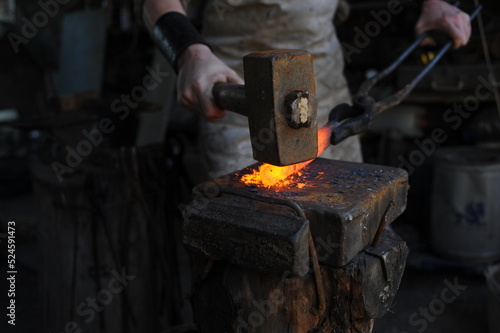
(281, 97)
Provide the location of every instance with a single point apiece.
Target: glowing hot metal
(268, 175)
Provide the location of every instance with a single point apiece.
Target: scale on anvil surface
(344, 203)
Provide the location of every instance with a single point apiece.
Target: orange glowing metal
(274, 176)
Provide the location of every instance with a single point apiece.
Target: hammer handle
(230, 96)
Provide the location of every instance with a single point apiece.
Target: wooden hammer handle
(230, 96)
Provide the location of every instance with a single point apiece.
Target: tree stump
(229, 298)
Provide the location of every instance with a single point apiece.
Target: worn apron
(235, 28)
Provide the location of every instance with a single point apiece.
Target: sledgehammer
(279, 99)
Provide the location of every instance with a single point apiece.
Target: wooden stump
(234, 299)
(105, 245)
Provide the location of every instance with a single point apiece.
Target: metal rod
(396, 98)
(276, 201)
(318, 279)
(383, 223)
(368, 84)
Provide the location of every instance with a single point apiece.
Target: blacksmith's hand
(439, 15)
(199, 70)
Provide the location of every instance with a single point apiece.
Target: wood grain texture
(233, 299)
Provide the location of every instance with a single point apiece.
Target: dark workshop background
(117, 208)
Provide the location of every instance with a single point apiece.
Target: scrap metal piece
(262, 236)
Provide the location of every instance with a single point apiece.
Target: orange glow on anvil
(277, 177)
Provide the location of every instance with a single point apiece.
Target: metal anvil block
(248, 233)
(345, 203)
(374, 276)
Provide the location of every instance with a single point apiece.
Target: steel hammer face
(282, 108)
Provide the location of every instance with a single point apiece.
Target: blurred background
(96, 162)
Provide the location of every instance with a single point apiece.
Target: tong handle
(350, 120)
(399, 96)
(347, 120)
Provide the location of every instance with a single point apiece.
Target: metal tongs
(349, 120)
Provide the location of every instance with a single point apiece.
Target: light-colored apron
(235, 28)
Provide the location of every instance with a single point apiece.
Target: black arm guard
(173, 33)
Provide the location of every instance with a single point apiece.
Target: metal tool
(347, 120)
(279, 99)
